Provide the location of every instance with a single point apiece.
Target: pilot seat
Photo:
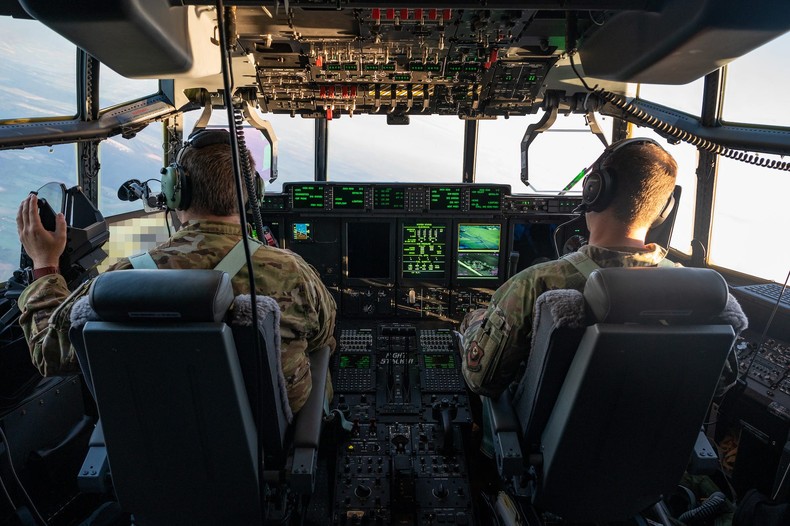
(616, 388)
(169, 357)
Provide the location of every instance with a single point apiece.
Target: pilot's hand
(43, 247)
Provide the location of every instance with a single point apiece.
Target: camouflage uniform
(497, 339)
(307, 318)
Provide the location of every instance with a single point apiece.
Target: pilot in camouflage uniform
(627, 191)
(493, 350)
(307, 308)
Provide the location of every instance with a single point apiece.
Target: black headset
(598, 188)
(176, 184)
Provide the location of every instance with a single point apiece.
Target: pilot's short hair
(213, 180)
(645, 177)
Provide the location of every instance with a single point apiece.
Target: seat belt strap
(142, 261)
(582, 263)
(235, 259)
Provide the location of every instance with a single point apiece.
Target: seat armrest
(503, 417)
(503, 429)
(307, 427)
(307, 424)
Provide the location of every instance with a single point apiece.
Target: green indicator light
(333, 67)
(371, 67)
(417, 67)
(388, 67)
(350, 66)
(433, 67)
(454, 67)
(532, 78)
(402, 78)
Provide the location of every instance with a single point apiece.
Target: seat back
(180, 434)
(615, 408)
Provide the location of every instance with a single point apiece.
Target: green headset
(598, 188)
(176, 184)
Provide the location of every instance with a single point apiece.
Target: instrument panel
(427, 251)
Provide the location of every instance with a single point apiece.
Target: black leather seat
(175, 385)
(616, 388)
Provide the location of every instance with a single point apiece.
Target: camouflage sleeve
(495, 340)
(326, 309)
(45, 320)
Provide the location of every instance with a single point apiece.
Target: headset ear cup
(176, 187)
(665, 212)
(170, 186)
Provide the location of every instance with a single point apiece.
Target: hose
(710, 508)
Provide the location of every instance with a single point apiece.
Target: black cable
(248, 175)
(573, 67)
(227, 85)
(29, 501)
(8, 495)
(656, 124)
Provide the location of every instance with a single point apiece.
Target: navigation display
(308, 196)
(424, 250)
(485, 198)
(478, 251)
(388, 198)
(350, 197)
(440, 361)
(355, 361)
(445, 198)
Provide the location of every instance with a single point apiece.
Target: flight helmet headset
(176, 184)
(598, 188)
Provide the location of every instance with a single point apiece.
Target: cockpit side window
(122, 159)
(115, 89)
(747, 77)
(37, 72)
(24, 171)
(686, 97)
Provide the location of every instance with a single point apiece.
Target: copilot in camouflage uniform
(497, 339)
(307, 309)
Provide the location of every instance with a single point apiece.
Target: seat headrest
(649, 294)
(162, 295)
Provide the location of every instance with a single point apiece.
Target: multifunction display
(424, 250)
(485, 198)
(348, 197)
(445, 198)
(308, 196)
(478, 251)
(388, 198)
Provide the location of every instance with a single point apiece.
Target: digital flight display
(440, 361)
(388, 198)
(308, 196)
(478, 250)
(348, 197)
(355, 361)
(485, 198)
(302, 232)
(445, 198)
(424, 250)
